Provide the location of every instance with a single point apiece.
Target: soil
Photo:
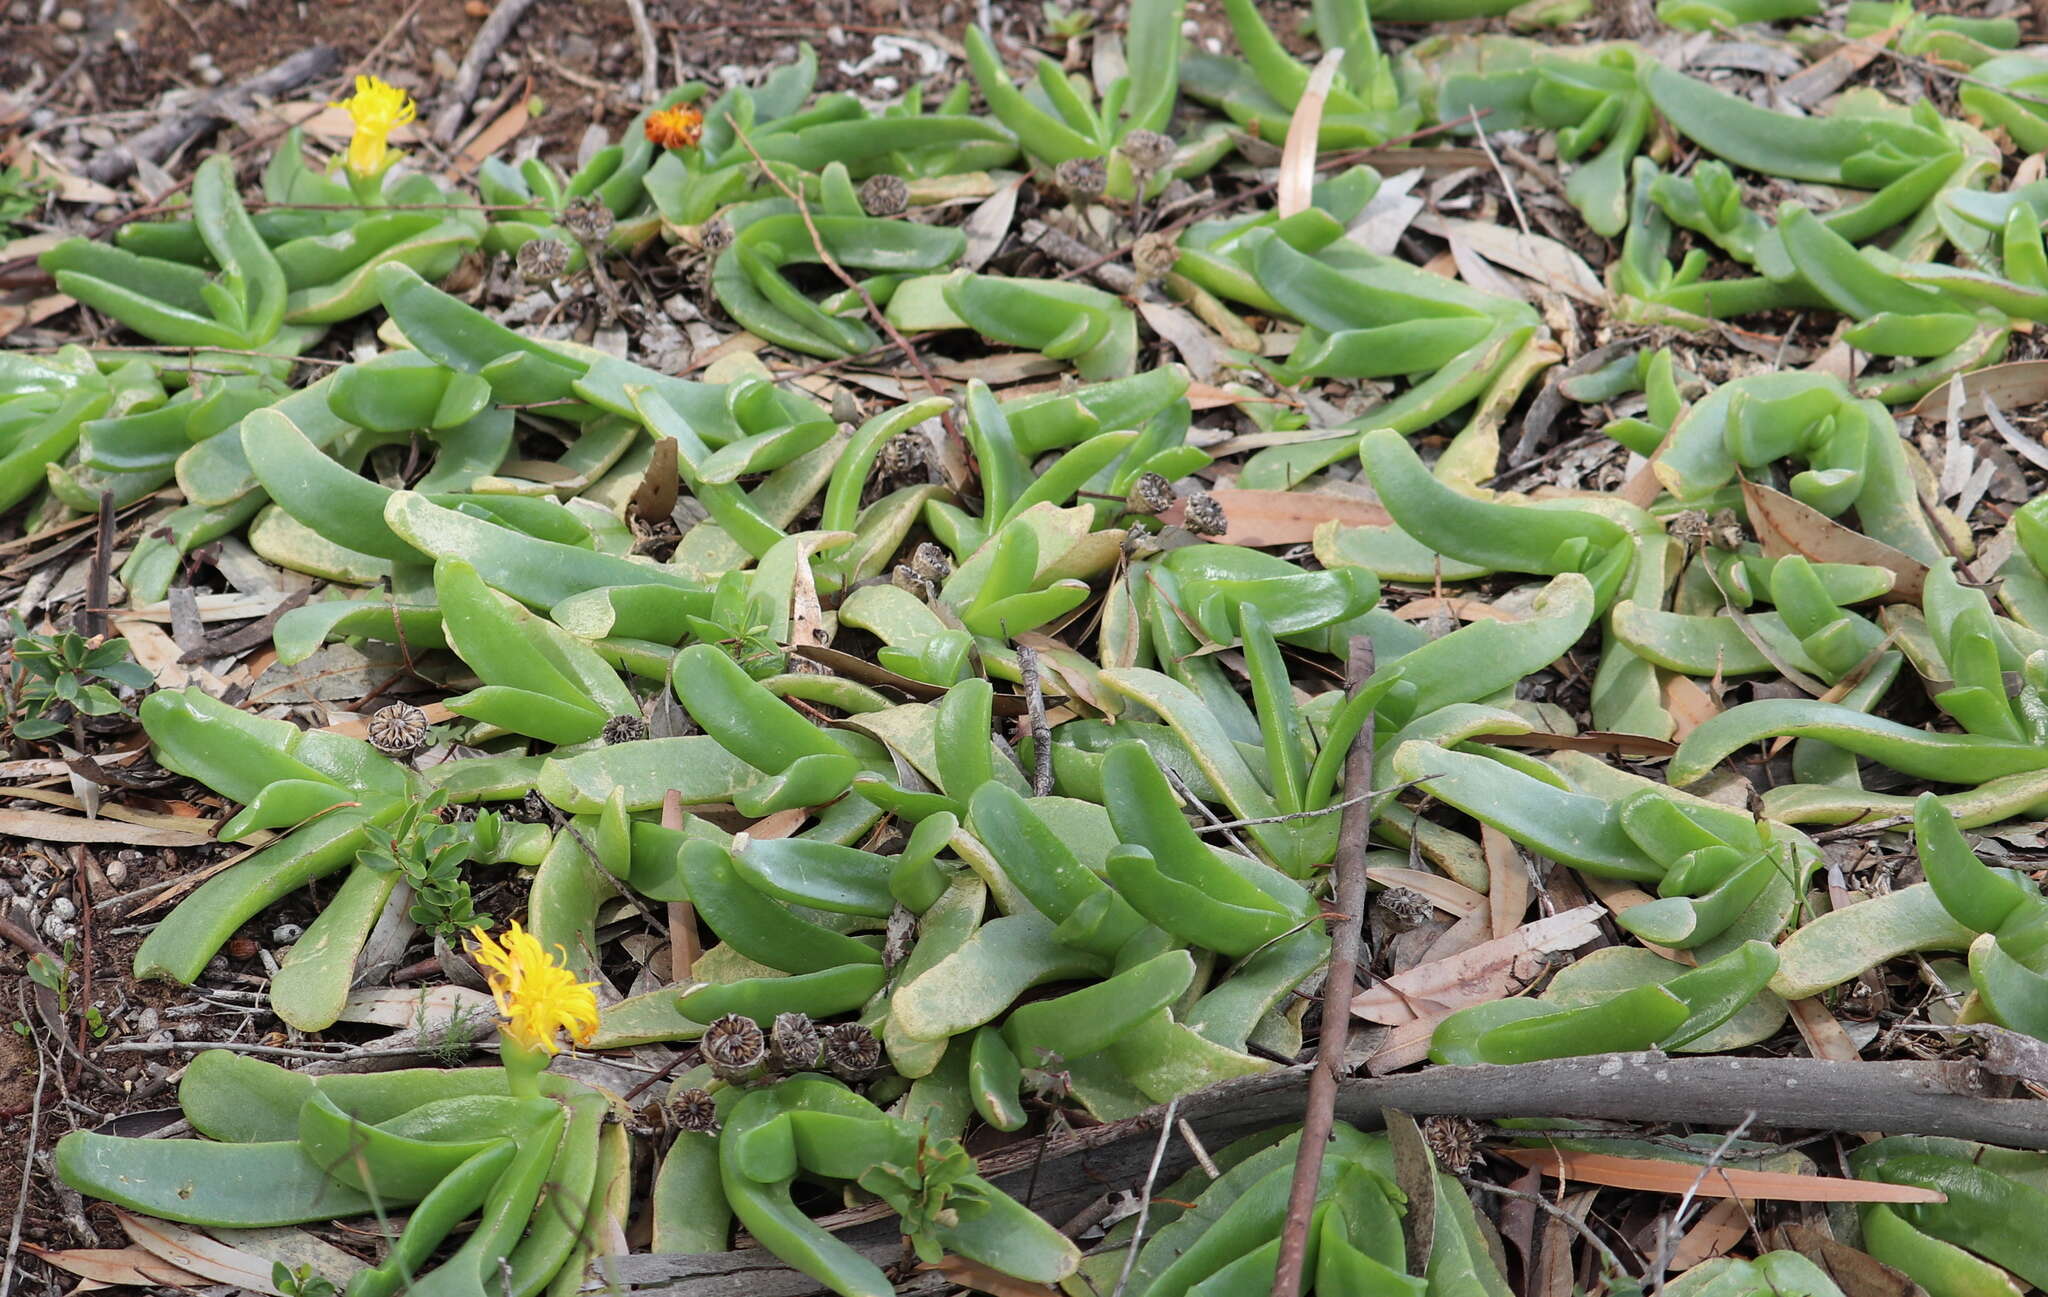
(107, 63)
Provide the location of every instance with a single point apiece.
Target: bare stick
(650, 56)
(1345, 939)
(1145, 1198)
(165, 138)
(471, 74)
(1041, 732)
(1541, 1203)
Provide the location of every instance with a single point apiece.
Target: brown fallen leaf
(973, 1274)
(1856, 1273)
(1786, 526)
(1267, 518)
(1557, 1272)
(19, 311)
(189, 1249)
(2012, 384)
(493, 138)
(1689, 705)
(50, 826)
(1542, 259)
(1818, 80)
(1446, 895)
(1823, 1035)
(1507, 896)
(1659, 1176)
(118, 1265)
(654, 500)
(1719, 1228)
(1463, 609)
(1485, 972)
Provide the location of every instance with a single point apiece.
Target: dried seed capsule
(1082, 177)
(1205, 515)
(906, 579)
(735, 1049)
(397, 730)
(1727, 529)
(931, 561)
(714, 235)
(624, 729)
(588, 219)
(1402, 908)
(899, 937)
(1455, 1141)
(852, 1052)
(884, 195)
(540, 260)
(903, 456)
(693, 1111)
(1690, 528)
(1155, 254)
(1148, 151)
(1150, 494)
(794, 1043)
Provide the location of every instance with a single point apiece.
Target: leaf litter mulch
(1013, 733)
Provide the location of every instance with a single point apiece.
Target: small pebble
(199, 60)
(286, 933)
(63, 909)
(70, 20)
(64, 44)
(117, 873)
(146, 1020)
(212, 75)
(57, 930)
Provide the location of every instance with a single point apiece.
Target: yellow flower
(675, 128)
(378, 108)
(538, 996)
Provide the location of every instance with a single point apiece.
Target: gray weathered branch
(1070, 1169)
(213, 112)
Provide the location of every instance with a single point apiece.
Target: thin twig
(79, 858)
(1581, 1228)
(1041, 731)
(1668, 1230)
(264, 1051)
(831, 263)
(471, 73)
(1145, 1197)
(650, 53)
(1345, 942)
(101, 569)
(1514, 203)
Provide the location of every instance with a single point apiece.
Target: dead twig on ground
(470, 73)
(216, 110)
(1345, 940)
